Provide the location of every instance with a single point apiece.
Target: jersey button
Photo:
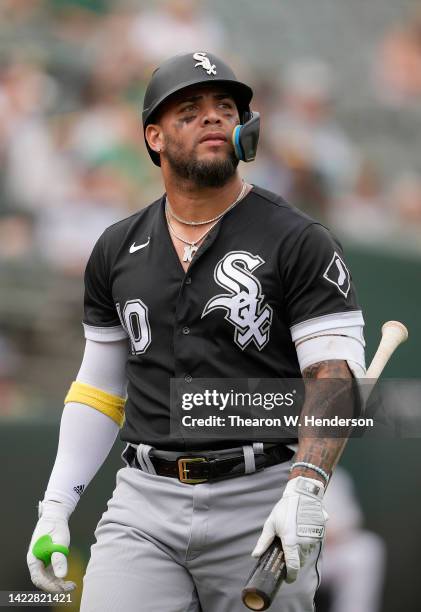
(188, 378)
(186, 330)
(188, 280)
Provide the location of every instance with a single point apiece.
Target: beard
(212, 173)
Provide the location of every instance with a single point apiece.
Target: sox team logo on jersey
(244, 303)
(338, 274)
(204, 62)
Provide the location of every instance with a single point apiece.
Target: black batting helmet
(185, 70)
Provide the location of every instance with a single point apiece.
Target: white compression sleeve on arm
(86, 438)
(87, 435)
(103, 366)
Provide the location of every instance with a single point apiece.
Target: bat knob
(398, 328)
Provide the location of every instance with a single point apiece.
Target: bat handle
(266, 578)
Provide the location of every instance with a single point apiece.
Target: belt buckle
(183, 470)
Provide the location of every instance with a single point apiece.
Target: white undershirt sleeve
(87, 435)
(327, 338)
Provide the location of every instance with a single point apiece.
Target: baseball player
(216, 279)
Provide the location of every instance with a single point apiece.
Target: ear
(154, 137)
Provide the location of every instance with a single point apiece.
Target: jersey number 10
(134, 318)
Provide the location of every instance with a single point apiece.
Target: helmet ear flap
(245, 137)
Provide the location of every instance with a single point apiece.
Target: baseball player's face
(195, 129)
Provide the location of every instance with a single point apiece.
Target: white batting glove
(53, 523)
(298, 519)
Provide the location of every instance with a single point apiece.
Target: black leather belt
(209, 466)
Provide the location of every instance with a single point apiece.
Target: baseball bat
(266, 578)
(270, 570)
(393, 334)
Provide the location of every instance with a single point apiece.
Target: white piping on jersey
(104, 334)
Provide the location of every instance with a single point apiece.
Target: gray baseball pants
(165, 546)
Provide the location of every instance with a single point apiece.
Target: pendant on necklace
(189, 251)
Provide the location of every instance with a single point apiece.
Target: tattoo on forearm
(333, 396)
(328, 369)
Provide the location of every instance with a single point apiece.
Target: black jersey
(263, 272)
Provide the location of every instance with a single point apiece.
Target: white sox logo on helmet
(204, 62)
(244, 304)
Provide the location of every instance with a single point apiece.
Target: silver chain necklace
(190, 248)
(224, 212)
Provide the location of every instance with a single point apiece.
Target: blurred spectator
(77, 20)
(16, 237)
(66, 234)
(406, 201)
(101, 123)
(292, 174)
(268, 171)
(10, 397)
(353, 559)
(35, 175)
(398, 62)
(118, 67)
(364, 214)
(19, 11)
(108, 130)
(176, 26)
(305, 127)
(305, 186)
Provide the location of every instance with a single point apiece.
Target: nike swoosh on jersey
(135, 248)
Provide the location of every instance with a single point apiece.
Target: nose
(211, 116)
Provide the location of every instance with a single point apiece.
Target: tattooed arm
(333, 396)
(299, 518)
